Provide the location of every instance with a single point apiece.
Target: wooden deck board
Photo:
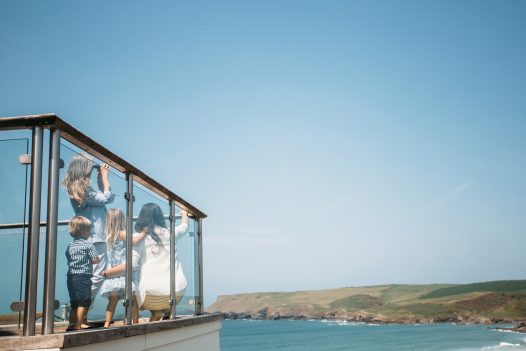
(90, 336)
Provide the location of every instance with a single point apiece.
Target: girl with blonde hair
(90, 203)
(114, 287)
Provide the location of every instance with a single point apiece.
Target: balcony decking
(105, 338)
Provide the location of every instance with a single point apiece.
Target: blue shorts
(79, 288)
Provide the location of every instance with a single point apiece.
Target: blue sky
(331, 143)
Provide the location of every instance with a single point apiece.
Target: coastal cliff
(488, 302)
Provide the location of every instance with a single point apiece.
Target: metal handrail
(79, 139)
(59, 223)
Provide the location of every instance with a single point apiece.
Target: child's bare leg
(81, 316)
(110, 309)
(84, 321)
(135, 311)
(156, 316)
(72, 318)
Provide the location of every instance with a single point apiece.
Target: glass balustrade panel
(187, 259)
(151, 253)
(14, 179)
(84, 195)
(84, 209)
(197, 262)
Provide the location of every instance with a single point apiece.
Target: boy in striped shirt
(81, 255)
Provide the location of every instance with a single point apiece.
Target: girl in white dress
(154, 253)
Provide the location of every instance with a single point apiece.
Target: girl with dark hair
(151, 216)
(154, 253)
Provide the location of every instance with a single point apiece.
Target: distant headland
(487, 303)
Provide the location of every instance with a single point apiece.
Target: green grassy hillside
(357, 302)
(495, 286)
(478, 303)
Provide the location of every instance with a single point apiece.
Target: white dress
(154, 262)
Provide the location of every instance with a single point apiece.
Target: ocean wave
(507, 331)
(503, 345)
(342, 322)
(347, 323)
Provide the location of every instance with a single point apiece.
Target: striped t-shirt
(79, 254)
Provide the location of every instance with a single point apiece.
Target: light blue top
(117, 284)
(95, 210)
(117, 253)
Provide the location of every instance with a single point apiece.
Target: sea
(324, 335)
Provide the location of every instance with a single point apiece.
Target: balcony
(51, 174)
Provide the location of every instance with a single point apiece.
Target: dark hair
(151, 216)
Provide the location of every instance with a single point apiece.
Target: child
(90, 203)
(81, 255)
(154, 282)
(114, 286)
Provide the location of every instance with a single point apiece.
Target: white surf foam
(507, 331)
(502, 346)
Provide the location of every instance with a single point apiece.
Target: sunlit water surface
(288, 335)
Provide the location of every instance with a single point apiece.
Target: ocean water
(289, 335)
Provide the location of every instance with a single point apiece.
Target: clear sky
(331, 143)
